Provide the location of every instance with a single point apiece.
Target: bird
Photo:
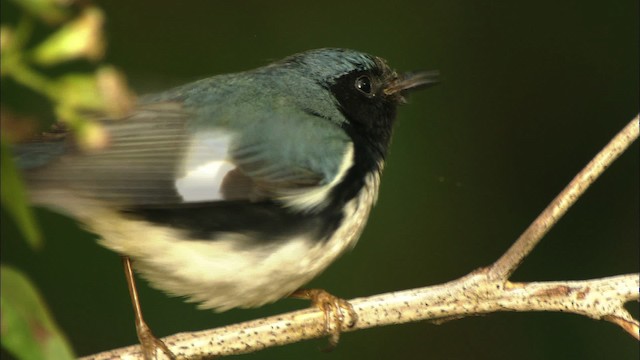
(236, 190)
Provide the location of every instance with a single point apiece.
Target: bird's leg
(150, 344)
(333, 308)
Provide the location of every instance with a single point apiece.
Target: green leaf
(28, 330)
(78, 92)
(80, 38)
(13, 198)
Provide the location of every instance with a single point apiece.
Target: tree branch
(471, 295)
(483, 291)
(509, 262)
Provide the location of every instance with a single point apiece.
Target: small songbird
(235, 190)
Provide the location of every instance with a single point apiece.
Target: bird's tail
(30, 156)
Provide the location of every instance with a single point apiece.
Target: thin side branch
(509, 262)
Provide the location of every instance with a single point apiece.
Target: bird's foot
(151, 345)
(334, 309)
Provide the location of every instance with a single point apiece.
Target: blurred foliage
(13, 198)
(72, 34)
(28, 329)
(49, 11)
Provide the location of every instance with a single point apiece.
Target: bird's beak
(412, 81)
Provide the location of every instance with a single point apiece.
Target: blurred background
(530, 92)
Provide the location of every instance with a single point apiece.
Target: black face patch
(370, 116)
(370, 113)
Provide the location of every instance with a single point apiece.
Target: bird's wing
(164, 155)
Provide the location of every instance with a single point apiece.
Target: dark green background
(530, 92)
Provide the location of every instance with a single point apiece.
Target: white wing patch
(205, 167)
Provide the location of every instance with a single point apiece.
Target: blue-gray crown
(331, 63)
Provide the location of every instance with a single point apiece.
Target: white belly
(224, 274)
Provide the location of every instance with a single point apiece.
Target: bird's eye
(363, 84)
